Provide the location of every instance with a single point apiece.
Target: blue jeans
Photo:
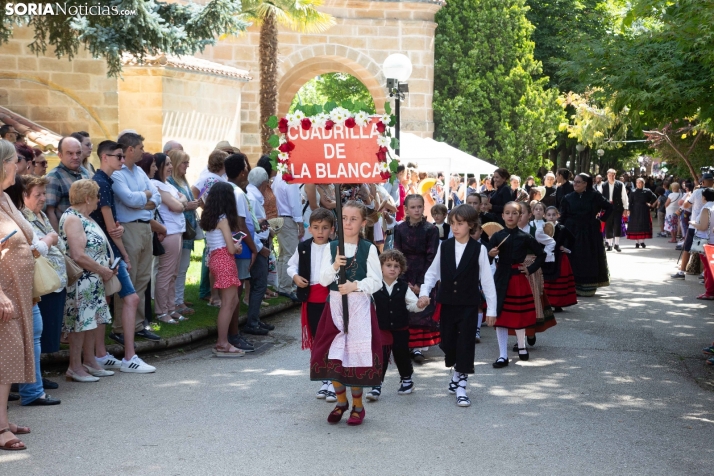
(30, 392)
(258, 286)
(127, 287)
(204, 290)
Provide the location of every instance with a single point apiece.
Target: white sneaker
(322, 393)
(109, 362)
(137, 366)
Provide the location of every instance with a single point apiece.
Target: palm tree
(298, 15)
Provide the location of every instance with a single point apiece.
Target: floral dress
(86, 305)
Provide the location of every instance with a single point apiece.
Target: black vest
(304, 254)
(459, 286)
(392, 311)
(616, 194)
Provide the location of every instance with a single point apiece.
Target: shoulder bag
(158, 248)
(113, 285)
(74, 271)
(46, 279)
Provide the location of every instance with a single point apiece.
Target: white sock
(502, 335)
(617, 240)
(609, 242)
(521, 336)
(462, 379)
(480, 320)
(331, 388)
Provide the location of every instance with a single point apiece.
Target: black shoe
(531, 340)
(617, 248)
(643, 245)
(15, 387)
(239, 342)
(264, 325)
(500, 363)
(118, 338)
(256, 331)
(418, 357)
(557, 309)
(45, 401)
(637, 246)
(678, 276)
(13, 397)
(290, 296)
(608, 248)
(147, 334)
(515, 347)
(48, 384)
(525, 356)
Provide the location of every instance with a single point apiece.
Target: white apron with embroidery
(353, 349)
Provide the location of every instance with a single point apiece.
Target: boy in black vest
(393, 303)
(304, 269)
(461, 264)
(438, 213)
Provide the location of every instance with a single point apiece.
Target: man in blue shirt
(135, 201)
(111, 159)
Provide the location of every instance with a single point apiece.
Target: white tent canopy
(433, 156)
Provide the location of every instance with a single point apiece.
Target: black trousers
(314, 312)
(400, 351)
(458, 336)
(613, 225)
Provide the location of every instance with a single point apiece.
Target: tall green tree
(152, 28)
(486, 100)
(337, 87)
(299, 15)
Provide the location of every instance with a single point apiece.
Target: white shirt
(410, 298)
(206, 180)
(673, 205)
(369, 285)
(244, 211)
(598, 187)
(287, 199)
(547, 241)
(316, 252)
(611, 190)
(214, 238)
(706, 233)
(257, 201)
(697, 204)
(433, 275)
(174, 222)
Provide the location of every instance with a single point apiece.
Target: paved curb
(143, 346)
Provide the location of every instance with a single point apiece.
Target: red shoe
(355, 418)
(336, 415)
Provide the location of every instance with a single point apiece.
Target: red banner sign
(340, 155)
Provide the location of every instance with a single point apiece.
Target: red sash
(317, 294)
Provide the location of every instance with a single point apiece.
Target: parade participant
(516, 306)
(461, 264)
(438, 213)
(393, 304)
(219, 221)
(304, 269)
(549, 194)
(616, 193)
(562, 178)
(559, 281)
(419, 241)
(639, 226)
(349, 352)
(578, 213)
(502, 194)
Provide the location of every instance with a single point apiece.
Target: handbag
(158, 248)
(190, 233)
(113, 285)
(46, 279)
(74, 271)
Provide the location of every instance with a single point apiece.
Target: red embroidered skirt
(223, 268)
(519, 306)
(561, 291)
(318, 294)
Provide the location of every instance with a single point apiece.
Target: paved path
(618, 387)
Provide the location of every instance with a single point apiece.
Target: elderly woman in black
(502, 193)
(578, 212)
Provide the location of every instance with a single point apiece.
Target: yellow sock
(357, 398)
(341, 393)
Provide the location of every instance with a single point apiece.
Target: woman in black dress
(578, 213)
(639, 226)
(502, 193)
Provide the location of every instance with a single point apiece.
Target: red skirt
(561, 291)
(423, 338)
(323, 368)
(519, 306)
(317, 294)
(223, 268)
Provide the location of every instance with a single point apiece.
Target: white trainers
(322, 393)
(109, 362)
(137, 366)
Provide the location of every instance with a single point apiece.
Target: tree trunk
(268, 52)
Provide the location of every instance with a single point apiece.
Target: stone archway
(306, 63)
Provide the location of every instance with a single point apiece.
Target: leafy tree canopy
(337, 87)
(156, 27)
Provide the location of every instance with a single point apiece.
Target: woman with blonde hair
(671, 217)
(180, 162)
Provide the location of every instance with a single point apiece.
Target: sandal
(178, 317)
(166, 319)
(214, 304)
(705, 297)
(186, 311)
(230, 352)
(10, 445)
(270, 295)
(19, 430)
(188, 304)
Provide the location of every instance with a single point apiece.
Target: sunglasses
(118, 156)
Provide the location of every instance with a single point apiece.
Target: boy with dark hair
(438, 213)
(393, 304)
(304, 270)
